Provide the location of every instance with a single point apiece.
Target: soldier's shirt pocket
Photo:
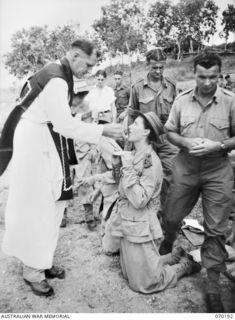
(219, 128)
(186, 124)
(135, 228)
(146, 104)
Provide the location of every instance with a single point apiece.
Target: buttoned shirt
(100, 99)
(146, 98)
(215, 121)
(140, 184)
(122, 95)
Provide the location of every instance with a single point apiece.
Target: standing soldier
(202, 125)
(229, 85)
(156, 93)
(122, 94)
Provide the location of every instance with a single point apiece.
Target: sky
(18, 14)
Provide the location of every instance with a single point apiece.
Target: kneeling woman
(134, 217)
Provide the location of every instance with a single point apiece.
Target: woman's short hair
(101, 73)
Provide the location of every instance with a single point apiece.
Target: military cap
(154, 122)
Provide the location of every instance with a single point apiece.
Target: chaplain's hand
(112, 130)
(206, 147)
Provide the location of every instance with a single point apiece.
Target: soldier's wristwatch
(222, 146)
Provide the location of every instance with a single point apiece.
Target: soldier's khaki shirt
(140, 184)
(122, 95)
(146, 98)
(216, 121)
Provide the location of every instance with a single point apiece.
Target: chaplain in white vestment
(33, 212)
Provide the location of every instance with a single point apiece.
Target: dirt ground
(94, 282)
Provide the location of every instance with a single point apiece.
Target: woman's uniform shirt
(134, 216)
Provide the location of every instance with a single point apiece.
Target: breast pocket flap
(146, 100)
(185, 121)
(135, 228)
(219, 123)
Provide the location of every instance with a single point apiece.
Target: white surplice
(33, 214)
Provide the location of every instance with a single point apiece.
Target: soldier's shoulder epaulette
(184, 93)
(148, 160)
(170, 79)
(138, 81)
(228, 92)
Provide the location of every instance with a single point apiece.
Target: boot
(213, 299)
(55, 272)
(214, 303)
(174, 257)
(89, 218)
(167, 244)
(40, 288)
(186, 267)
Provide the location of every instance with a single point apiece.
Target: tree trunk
(179, 50)
(191, 46)
(226, 43)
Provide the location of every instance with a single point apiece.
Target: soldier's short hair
(207, 60)
(101, 73)
(119, 72)
(156, 55)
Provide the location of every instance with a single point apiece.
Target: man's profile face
(155, 68)
(118, 79)
(81, 62)
(207, 79)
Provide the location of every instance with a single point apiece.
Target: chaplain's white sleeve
(55, 96)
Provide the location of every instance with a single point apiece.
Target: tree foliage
(228, 20)
(33, 48)
(121, 24)
(188, 18)
(159, 19)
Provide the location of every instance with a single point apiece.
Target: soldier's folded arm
(230, 143)
(172, 127)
